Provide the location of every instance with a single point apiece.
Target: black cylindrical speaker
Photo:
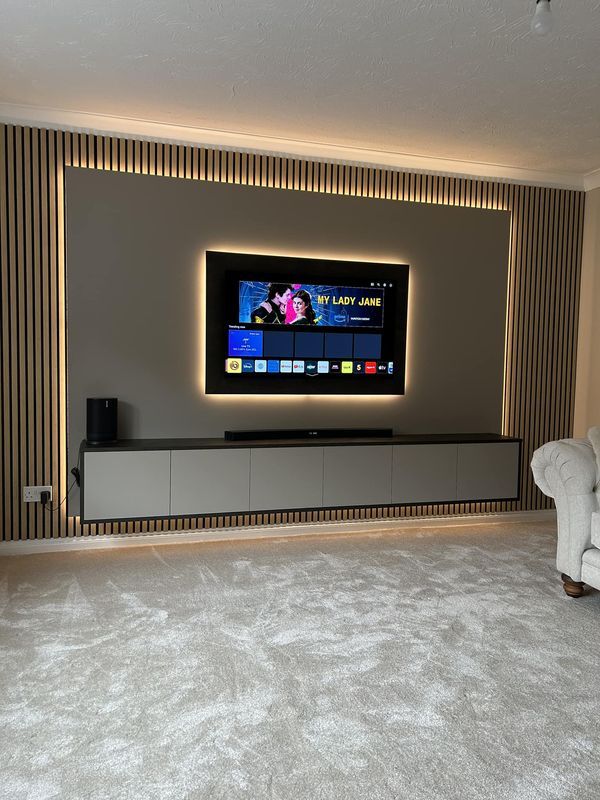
(101, 420)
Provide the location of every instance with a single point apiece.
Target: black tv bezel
(217, 381)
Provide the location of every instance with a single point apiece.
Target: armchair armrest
(567, 466)
(566, 471)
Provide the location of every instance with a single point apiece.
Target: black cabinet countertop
(127, 445)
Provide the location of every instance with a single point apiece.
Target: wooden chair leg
(572, 588)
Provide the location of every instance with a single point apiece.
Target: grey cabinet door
(286, 478)
(210, 481)
(357, 476)
(488, 471)
(424, 473)
(126, 485)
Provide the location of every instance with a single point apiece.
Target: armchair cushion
(596, 529)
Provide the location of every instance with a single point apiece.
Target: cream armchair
(566, 470)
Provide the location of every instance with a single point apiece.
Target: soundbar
(309, 433)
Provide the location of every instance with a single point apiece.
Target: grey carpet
(428, 665)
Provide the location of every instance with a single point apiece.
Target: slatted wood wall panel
(543, 300)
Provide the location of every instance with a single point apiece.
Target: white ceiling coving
(462, 81)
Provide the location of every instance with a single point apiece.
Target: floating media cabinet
(159, 478)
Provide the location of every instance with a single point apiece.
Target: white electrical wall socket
(33, 494)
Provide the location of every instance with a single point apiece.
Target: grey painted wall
(135, 247)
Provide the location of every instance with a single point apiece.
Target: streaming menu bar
(237, 366)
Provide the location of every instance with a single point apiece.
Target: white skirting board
(269, 532)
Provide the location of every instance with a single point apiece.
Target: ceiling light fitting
(542, 22)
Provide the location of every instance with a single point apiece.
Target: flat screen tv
(288, 325)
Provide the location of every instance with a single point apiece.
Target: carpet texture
(429, 664)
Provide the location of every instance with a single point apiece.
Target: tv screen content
(295, 325)
(309, 304)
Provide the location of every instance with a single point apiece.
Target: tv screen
(290, 325)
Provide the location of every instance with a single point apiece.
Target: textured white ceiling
(460, 80)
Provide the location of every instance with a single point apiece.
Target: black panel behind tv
(287, 325)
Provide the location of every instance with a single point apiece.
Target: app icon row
(301, 367)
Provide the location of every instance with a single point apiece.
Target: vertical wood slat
(21, 314)
(529, 320)
(57, 390)
(542, 304)
(5, 390)
(60, 515)
(15, 530)
(29, 349)
(35, 431)
(45, 311)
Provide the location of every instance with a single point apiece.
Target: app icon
(260, 365)
(359, 367)
(390, 367)
(311, 367)
(370, 367)
(382, 367)
(347, 367)
(298, 366)
(247, 365)
(322, 367)
(285, 366)
(335, 366)
(233, 365)
(273, 366)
